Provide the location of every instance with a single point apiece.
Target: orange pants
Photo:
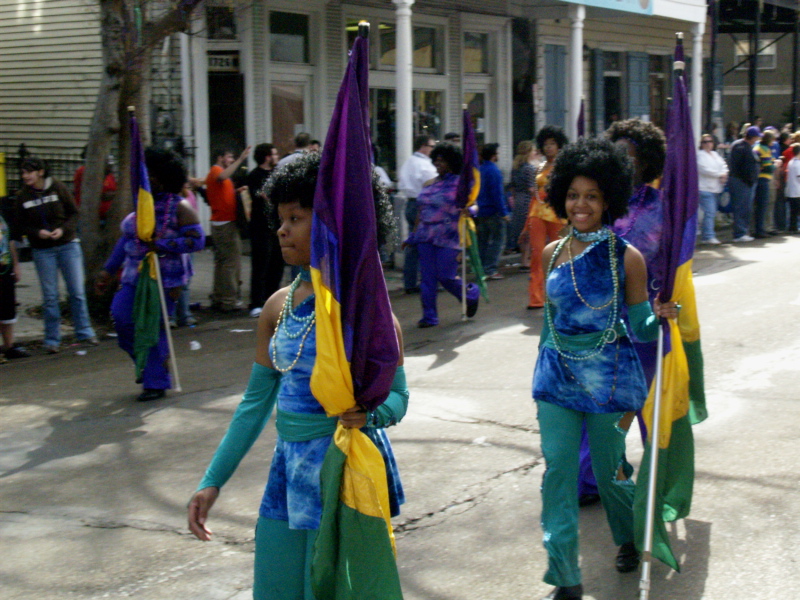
(540, 232)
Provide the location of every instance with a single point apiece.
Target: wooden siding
(50, 64)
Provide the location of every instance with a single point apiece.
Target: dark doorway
(226, 112)
(612, 91)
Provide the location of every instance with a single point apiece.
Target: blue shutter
(598, 92)
(638, 84)
(555, 89)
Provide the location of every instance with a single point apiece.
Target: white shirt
(793, 178)
(710, 167)
(414, 173)
(290, 158)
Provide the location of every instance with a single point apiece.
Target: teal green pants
(561, 440)
(283, 561)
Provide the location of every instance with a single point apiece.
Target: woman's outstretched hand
(199, 505)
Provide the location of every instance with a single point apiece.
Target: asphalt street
(93, 486)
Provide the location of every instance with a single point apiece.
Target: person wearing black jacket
(266, 270)
(744, 168)
(46, 213)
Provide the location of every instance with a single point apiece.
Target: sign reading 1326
(223, 61)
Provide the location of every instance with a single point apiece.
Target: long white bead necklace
(287, 312)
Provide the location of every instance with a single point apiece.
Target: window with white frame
(767, 57)
(289, 37)
(476, 53)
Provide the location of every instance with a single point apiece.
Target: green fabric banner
(146, 315)
(353, 556)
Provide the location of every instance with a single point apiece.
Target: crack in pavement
(142, 525)
(476, 421)
(462, 504)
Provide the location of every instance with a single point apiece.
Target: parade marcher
(286, 350)
(266, 268)
(183, 312)
(436, 235)
(712, 173)
(414, 174)
(9, 277)
(221, 195)
(493, 214)
(744, 169)
(47, 215)
(177, 232)
(587, 372)
(523, 185)
(543, 224)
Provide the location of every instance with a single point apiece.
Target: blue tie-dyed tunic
(293, 489)
(611, 381)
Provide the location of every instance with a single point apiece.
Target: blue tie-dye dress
(293, 489)
(612, 380)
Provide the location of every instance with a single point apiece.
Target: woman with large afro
(587, 372)
(291, 507)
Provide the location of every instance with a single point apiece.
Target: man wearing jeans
(492, 212)
(744, 169)
(221, 196)
(413, 174)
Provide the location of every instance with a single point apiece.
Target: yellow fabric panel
(476, 187)
(145, 216)
(3, 180)
(684, 294)
(674, 389)
(364, 487)
(150, 259)
(464, 220)
(331, 380)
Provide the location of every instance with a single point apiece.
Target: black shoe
(412, 290)
(17, 352)
(588, 499)
(472, 307)
(760, 236)
(627, 558)
(425, 324)
(148, 395)
(573, 592)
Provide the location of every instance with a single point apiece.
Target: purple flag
(581, 124)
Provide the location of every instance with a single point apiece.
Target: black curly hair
(598, 159)
(450, 154)
(166, 167)
(551, 132)
(649, 142)
(297, 182)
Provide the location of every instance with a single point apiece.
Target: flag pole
(163, 302)
(647, 550)
(463, 222)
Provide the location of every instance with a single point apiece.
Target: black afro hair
(297, 182)
(598, 159)
(167, 167)
(450, 154)
(650, 144)
(551, 132)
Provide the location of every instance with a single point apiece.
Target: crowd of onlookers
(752, 176)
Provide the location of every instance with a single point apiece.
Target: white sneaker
(743, 238)
(713, 241)
(255, 313)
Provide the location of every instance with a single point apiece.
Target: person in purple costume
(436, 235)
(177, 233)
(642, 227)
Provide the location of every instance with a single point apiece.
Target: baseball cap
(753, 132)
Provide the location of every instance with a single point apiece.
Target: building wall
(50, 67)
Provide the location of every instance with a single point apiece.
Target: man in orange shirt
(221, 196)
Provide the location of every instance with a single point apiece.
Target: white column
(199, 64)
(698, 29)
(577, 15)
(404, 92)
(187, 97)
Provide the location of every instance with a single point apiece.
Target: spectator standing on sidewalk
(793, 188)
(266, 260)
(302, 145)
(712, 175)
(414, 173)
(221, 196)
(9, 277)
(492, 212)
(767, 166)
(744, 169)
(47, 215)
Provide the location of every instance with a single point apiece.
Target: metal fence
(62, 166)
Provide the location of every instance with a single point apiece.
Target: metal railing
(61, 165)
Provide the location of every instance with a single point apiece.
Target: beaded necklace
(595, 236)
(287, 314)
(637, 203)
(609, 333)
